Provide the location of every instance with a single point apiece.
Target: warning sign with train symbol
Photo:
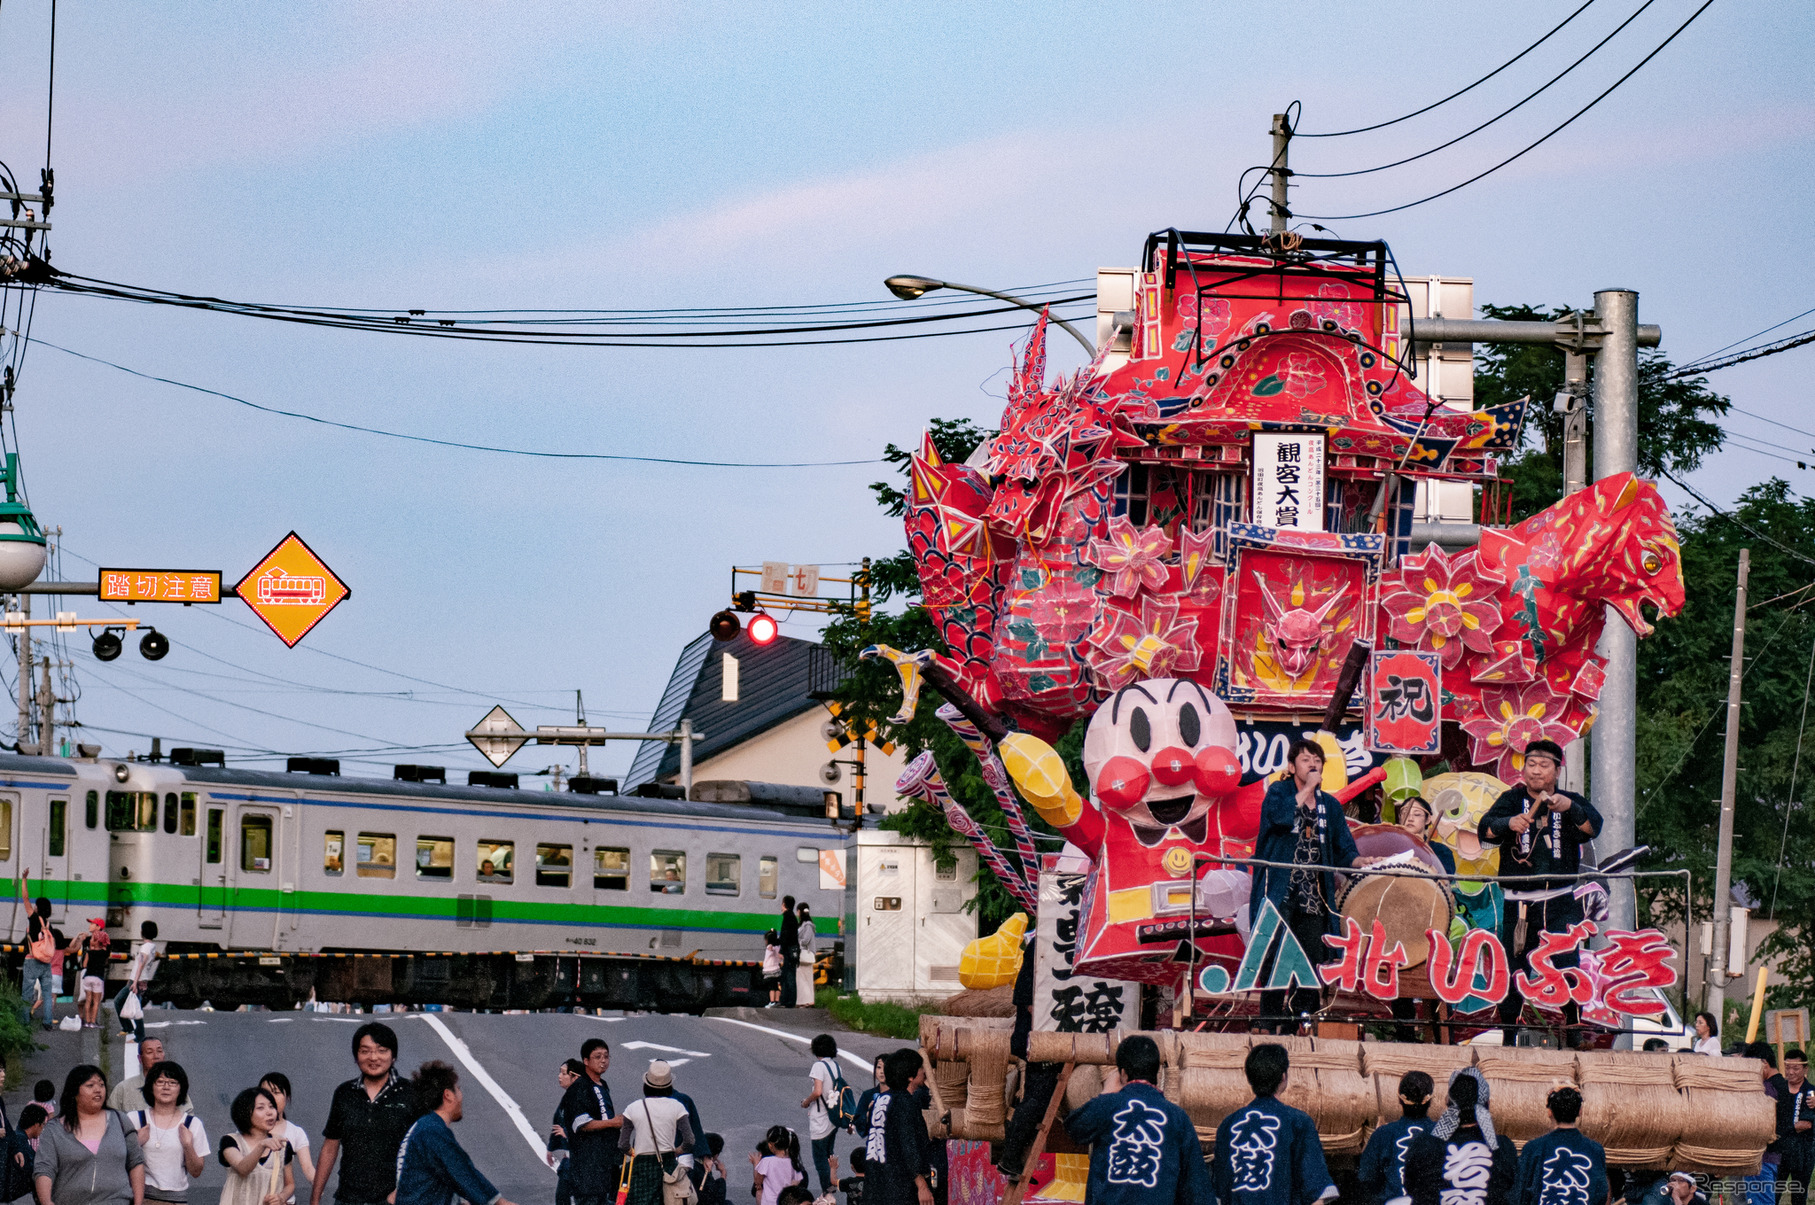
(291, 589)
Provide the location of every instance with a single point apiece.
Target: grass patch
(883, 1017)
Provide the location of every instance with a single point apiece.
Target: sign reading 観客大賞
(1288, 481)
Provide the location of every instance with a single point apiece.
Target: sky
(677, 155)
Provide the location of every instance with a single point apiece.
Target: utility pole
(1282, 137)
(1615, 734)
(47, 713)
(25, 677)
(1572, 403)
(1729, 776)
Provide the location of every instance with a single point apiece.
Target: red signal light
(762, 629)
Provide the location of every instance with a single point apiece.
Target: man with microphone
(1540, 831)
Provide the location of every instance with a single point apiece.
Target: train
(274, 888)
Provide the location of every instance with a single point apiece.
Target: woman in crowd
(1445, 1163)
(278, 1085)
(655, 1132)
(1707, 1034)
(257, 1161)
(88, 1156)
(171, 1137)
(803, 932)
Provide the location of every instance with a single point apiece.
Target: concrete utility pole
(25, 678)
(1282, 137)
(47, 714)
(1615, 734)
(1729, 783)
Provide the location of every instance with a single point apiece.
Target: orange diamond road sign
(291, 590)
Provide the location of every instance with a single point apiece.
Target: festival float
(1205, 552)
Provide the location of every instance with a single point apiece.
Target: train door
(53, 851)
(211, 898)
(255, 900)
(16, 843)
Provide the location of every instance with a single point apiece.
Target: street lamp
(909, 287)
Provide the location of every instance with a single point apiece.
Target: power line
(1507, 112)
(1374, 213)
(1770, 349)
(1736, 520)
(1737, 342)
(451, 443)
(1452, 96)
(1761, 418)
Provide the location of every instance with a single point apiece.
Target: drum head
(1406, 905)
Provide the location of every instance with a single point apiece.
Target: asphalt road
(742, 1078)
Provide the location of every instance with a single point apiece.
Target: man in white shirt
(139, 973)
(129, 1094)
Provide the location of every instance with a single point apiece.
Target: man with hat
(654, 1135)
(1540, 831)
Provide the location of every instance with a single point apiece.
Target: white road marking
(695, 1054)
(846, 1055)
(345, 1020)
(280, 1020)
(168, 1024)
(510, 1107)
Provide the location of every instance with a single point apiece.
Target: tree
(1676, 427)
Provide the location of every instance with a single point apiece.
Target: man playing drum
(1540, 831)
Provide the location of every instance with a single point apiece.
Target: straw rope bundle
(1518, 1086)
(984, 1113)
(1391, 1060)
(1734, 1119)
(1630, 1104)
(1326, 1082)
(949, 1079)
(1210, 1078)
(1099, 1048)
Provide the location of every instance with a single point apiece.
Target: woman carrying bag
(172, 1138)
(88, 1155)
(655, 1133)
(804, 989)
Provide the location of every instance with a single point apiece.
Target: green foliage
(1682, 695)
(17, 1038)
(1676, 418)
(882, 1017)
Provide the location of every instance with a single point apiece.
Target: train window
(129, 811)
(334, 851)
(724, 874)
(668, 872)
(497, 860)
(170, 812)
(59, 828)
(434, 857)
(254, 843)
(91, 810)
(768, 877)
(611, 869)
(554, 865)
(805, 854)
(377, 856)
(186, 823)
(213, 855)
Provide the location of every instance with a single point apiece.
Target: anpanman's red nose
(1173, 766)
(1218, 772)
(1122, 782)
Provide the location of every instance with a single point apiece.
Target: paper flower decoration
(1442, 604)
(1125, 648)
(1511, 718)
(1132, 558)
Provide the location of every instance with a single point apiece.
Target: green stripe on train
(188, 895)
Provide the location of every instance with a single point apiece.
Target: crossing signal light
(724, 626)
(763, 629)
(108, 645)
(154, 645)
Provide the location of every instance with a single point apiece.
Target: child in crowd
(44, 1095)
(22, 1143)
(795, 1194)
(712, 1187)
(776, 1162)
(852, 1185)
(772, 967)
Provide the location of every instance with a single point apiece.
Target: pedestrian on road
(22, 1150)
(90, 1157)
(432, 1168)
(852, 1185)
(567, 1074)
(822, 1078)
(40, 950)
(775, 1164)
(869, 1096)
(804, 937)
(44, 1093)
(139, 973)
(655, 1133)
(790, 955)
(171, 1136)
(895, 1162)
(278, 1085)
(257, 1160)
(97, 948)
(129, 1094)
(691, 1160)
(1461, 1158)
(712, 1186)
(368, 1116)
(1143, 1148)
(772, 967)
(1565, 1166)
(591, 1129)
